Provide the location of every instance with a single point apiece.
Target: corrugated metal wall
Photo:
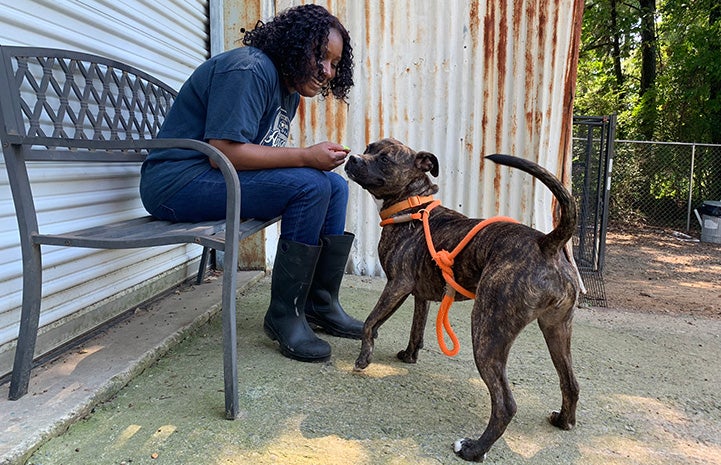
(166, 39)
(461, 79)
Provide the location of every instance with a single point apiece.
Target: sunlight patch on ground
(161, 434)
(660, 421)
(374, 370)
(525, 445)
(624, 450)
(294, 448)
(477, 382)
(77, 358)
(697, 285)
(617, 450)
(126, 435)
(653, 406)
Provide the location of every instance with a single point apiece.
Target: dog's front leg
(391, 298)
(415, 341)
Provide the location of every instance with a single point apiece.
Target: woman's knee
(338, 186)
(314, 184)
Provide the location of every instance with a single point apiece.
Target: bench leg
(29, 319)
(208, 254)
(203, 264)
(230, 338)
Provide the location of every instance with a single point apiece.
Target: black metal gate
(593, 138)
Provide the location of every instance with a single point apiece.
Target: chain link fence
(659, 184)
(630, 184)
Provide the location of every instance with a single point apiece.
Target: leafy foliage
(656, 64)
(683, 102)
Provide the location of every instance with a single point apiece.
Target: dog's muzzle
(357, 170)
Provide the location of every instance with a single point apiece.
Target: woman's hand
(326, 156)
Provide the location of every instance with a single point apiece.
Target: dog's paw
(559, 421)
(466, 449)
(406, 357)
(361, 364)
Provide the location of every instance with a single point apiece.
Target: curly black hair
(296, 42)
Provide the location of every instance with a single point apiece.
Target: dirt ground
(662, 271)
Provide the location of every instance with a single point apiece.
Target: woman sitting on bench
(242, 102)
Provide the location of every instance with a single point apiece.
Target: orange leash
(444, 260)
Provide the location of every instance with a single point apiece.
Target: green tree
(608, 77)
(647, 85)
(657, 66)
(691, 79)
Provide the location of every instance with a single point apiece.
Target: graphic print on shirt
(277, 135)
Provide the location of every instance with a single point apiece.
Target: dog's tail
(555, 240)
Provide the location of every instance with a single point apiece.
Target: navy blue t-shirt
(236, 95)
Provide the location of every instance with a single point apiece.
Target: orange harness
(442, 258)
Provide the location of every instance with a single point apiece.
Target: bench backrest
(55, 99)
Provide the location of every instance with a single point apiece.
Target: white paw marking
(458, 445)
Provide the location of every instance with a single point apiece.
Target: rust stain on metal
(553, 48)
(569, 92)
(301, 112)
(497, 187)
(251, 253)
(379, 124)
(501, 65)
(336, 117)
(534, 53)
(488, 56)
(474, 24)
(474, 33)
(314, 114)
(236, 17)
(368, 17)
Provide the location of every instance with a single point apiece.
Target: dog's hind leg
(558, 340)
(493, 332)
(415, 341)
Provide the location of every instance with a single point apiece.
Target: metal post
(690, 189)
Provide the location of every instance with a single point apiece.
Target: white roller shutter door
(166, 39)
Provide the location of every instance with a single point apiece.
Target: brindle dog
(518, 275)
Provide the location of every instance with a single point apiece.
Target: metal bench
(66, 107)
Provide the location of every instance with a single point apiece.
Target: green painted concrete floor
(649, 395)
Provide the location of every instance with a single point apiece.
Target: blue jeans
(311, 202)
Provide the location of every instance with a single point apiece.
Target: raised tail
(554, 241)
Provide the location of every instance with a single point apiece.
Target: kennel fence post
(690, 189)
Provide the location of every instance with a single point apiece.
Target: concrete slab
(68, 388)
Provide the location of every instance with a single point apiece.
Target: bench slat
(149, 232)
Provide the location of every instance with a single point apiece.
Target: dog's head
(391, 171)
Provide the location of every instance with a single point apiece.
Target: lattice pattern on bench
(106, 103)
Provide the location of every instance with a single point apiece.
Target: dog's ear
(427, 162)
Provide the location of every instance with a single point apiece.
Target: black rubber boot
(285, 320)
(323, 308)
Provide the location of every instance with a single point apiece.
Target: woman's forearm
(246, 156)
